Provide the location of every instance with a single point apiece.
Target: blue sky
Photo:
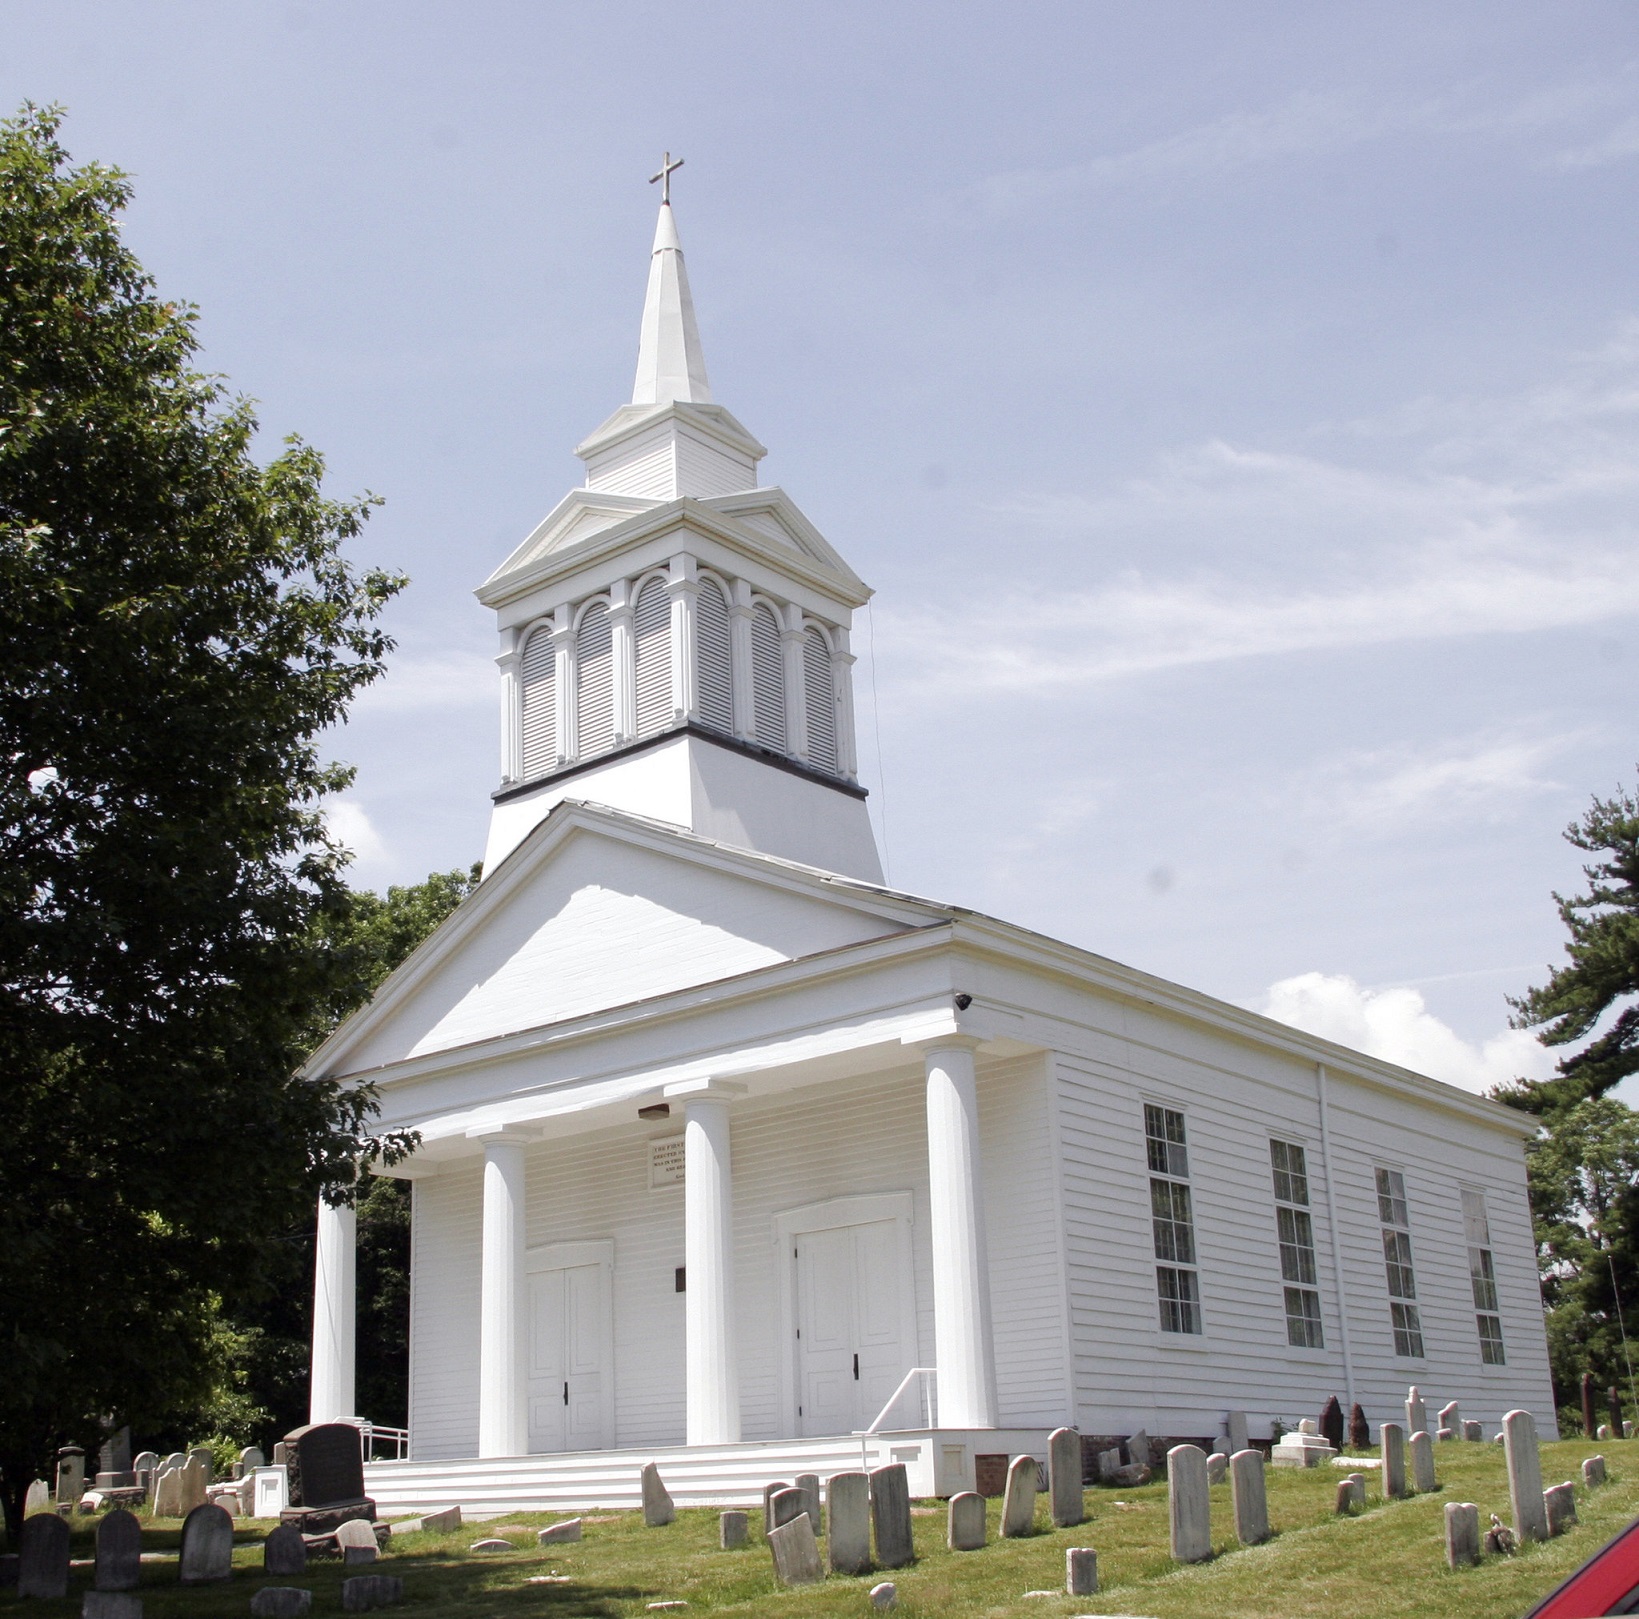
(1235, 409)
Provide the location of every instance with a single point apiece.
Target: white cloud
(1396, 1026)
(1615, 146)
(351, 826)
(419, 684)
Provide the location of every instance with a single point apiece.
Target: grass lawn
(1388, 1561)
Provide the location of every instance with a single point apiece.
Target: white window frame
(1191, 1268)
(1289, 1285)
(1399, 1303)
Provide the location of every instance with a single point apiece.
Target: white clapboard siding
(652, 635)
(539, 697)
(646, 467)
(768, 676)
(594, 682)
(446, 1240)
(820, 700)
(703, 471)
(715, 658)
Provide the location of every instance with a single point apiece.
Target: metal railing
(395, 1442)
(926, 1379)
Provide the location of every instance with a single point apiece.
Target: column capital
(500, 1136)
(704, 1090)
(950, 1040)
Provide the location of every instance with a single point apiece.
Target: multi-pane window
(1296, 1231)
(1172, 1219)
(1482, 1274)
(1391, 1212)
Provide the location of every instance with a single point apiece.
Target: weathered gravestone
(37, 1499)
(281, 1602)
(110, 1605)
(366, 1591)
(1519, 1438)
(207, 1545)
(1140, 1453)
(657, 1501)
(119, 1552)
(285, 1551)
(785, 1504)
(445, 1519)
(1345, 1497)
(1360, 1431)
(1473, 1430)
(795, 1551)
(202, 1455)
(563, 1533)
(884, 1595)
(769, 1492)
(965, 1526)
(1080, 1571)
(326, 1478)
(168, 1492)
(1462, 1533)
(891, 1516)
(1189, 1504)
(114, 1469)
(356, 1541)
(1392, 1437)
(1064, 1477)
(193, 1479)
(1416, 1411)
(42, 1557)
(1019, 1504)
(1559, 1507)
(731, 1529)
(809, 1484)
(1250, 1500)
(1593, 1471)
(1235, 1427)
(1331, 1422)
(1422, 1463)
(848, 1502)
(70, 1475)
(1217, 1467)
(250, 1458)
(1451, 1416)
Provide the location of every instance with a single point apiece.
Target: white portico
(729, 1153)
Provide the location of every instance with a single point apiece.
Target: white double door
(569, 1358)
(850, 1350)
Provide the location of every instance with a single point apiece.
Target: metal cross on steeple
(665, 177)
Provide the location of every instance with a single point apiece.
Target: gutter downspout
(1337, 1236)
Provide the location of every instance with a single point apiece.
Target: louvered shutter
(716, 664)
(538, 676)
(594, 682)
(651, 629)
(820, 701)
(768, 677)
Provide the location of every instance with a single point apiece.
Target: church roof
(670, 363)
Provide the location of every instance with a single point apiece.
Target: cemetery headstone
(42, 1556)
(809, 1484)
(37, 1498)
(202, 1455)
(1189, 1502)
(1019, 1504)
(1473, 1430)
(1605, 1431)
(70, 1475)
(1251, 1502)
(1217, 1467)
(732, 1527)
(207, 1545)
(1235, 1427)
(281, 1602)
(1593, 1471)
(848, 1505)
(1360, 1431)
(1109, 1464)
(325, 1463)
(965, 1528)
(281, 1457)
(1345, 1497)
(769, 1492)
(657, 1501)
(785, 1505)
(168, 1492)
(884, 1595)
(285, 1551)
(193, 1479)
(110, 1605)
(1422, 1463)
(1590, 1423)
(1519, 1438)
(366, 1591)
(568, 1530)
(444, 1520)
(1613, 1403)
(1416, 1411)
(1451, 1416)
(1443, 1434)
(1331, 1422)
(250, 1458)
(1064, 1477)
(1392, 1437)
(356, 1541)
(114, 1469)
(891, 1516)
(119, 1551)
(795, 1551)
(1559, 1507)
(1462, 1533)
(1080, 1571)
(1139, 1451)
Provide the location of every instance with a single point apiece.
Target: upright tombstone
(356, 1541)
(658, 1509)
(250, 1458)
(1559, 1507)
(167, 1496)
(1519, 1438)
(366, 1591)
(1140, 1452)
(281, 1455)
(795, 1551)
(1217, 1468)
(1473, 1430)
(1189, 1501)
(143, 1467)
(1462, 1533)
(1019, 1504)
(194, 1476)
(207, 1545)
(731, 1529)
(325, 1469)
(1251, 1502)
(785, 1505)
(769, 1492)
(114, 1470)
(891, 1516)
(1235, 1427)
(1416, 1411)
(1593, 1471)
(965, 1530)
(1360, 1431)
(37, 1498)
(119, 1551)
(848, 1508)
(1393, 1439)
(809, 1484)
(285, 1551)
(1451, 1416)
(1080, 1571)
(1064, 1477)
(70, 1475)
(1331, 1422)
(1422, 1463)
(42, 1556)
(202, 1454)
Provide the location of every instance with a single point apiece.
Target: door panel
(568, 1357)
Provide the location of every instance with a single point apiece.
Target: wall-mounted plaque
(666, 1162)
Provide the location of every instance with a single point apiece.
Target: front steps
(938, 1461)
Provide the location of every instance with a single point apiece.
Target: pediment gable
(596, 910)
(579, 516)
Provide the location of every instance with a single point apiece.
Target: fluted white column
(711, 1369)
(502, 1417)
(963, 1346)
(335, 1312)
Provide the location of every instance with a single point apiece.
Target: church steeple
(670, 365)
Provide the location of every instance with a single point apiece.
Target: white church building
(734, 1158)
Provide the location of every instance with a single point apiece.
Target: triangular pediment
(597, 910)
(578, 517)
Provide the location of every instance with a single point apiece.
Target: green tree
(178, 625)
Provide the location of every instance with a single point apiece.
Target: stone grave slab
(110, 1605)
(795, 1551)
(809, 1484)
(848, 1503)
(1392, 1437)
(785, 1504)
(732, 1529)
(285, 1551)
(1019, 1504)
(119, 1551)
(207, 1545)
(1080, 1571)
(657, 1501)
(891, 1516)
(1189, 1504)
(445, 1519)
(356, 1541)
(965, 1529)
(366, 1591)
(1559, 1506)
(325, 1464)
(1519, 1438)
(1422, 1463)
(1593, 1471)
(1250, 1499)
(564, 1533)
(42, 1556)
(1064, 1477)
(769, 1492)
(1462, 1533)
(281, 1602)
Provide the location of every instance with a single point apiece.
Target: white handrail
(931, 1389)
(370, 1432)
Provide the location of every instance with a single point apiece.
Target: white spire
(670, 366)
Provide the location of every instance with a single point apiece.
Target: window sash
(1491, 1347)
(1291, 1171)
(1297, 1246)
(1482, 1274)
(1180, 1300)
(1408, 1330)
(1164, 1140)
(1303, 1329)
(1397, 1263)
(1173, 1222)
(1391, 1198)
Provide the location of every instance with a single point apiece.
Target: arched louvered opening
(594, 681)
(652, 633)
(538, 681)
(768, 677)
(714, 659)
(819, 700)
